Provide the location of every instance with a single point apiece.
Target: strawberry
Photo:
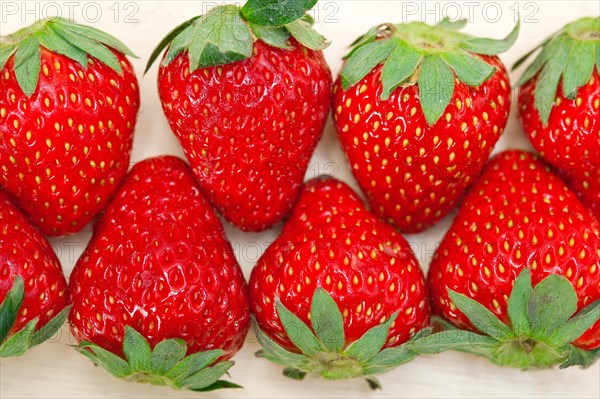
(339, 292)
(33, 290)
(67, 113)
(159, 280)
(248, 112)
(418, 109)
(559, 106)
(520, 266)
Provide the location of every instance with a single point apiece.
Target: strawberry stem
(324, 352)
(544, 322)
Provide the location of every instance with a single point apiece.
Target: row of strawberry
(145, 272)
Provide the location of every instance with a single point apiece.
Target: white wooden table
(55, 370)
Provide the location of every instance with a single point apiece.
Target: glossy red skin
(25, 252)
(77, 172)
(370, 289)
(413, 178)
(159, 261)
(249, 128)
(571, 140)
(500, 204)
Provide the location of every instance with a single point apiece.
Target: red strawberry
(33, 290)
(339, 268)
(559, 104)
(521, 220)
(67, 113)
(418, 109)
(248, 123)
(159, 273)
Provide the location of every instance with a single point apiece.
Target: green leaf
(168, 39)
(469, 68)
(452, 25)
(166, 355)
(273, 36)
(180, 43)
(94, 34)
(389, 359)
(205, 377)
(368, 37)
(598, 57)
(547, 84)
(276, 353)
(364, 59)
(327, 321)
(136, 350)
(306, 35)
(17, 344)
(373, 382)
(308, 19)
(451, 340)
(552, 302)
(484, 320)
(491, 46)
(192, 364)
(518, 304)
(212, 56)
(294, 374)
(577, 325)
(92, 47)
(48, 330)
(275, 12)
(436, 87)
(27, 65)
(298, 332)
(537, 64)
(220, 37)
(371, 342)
(579, 67)
(9, 309)
(220, 384)
(525, 57)
(400, 66)
(6, 51)
(53, 42)
(108, 360)
(580, 357)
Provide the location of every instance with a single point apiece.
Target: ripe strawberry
(33, 290)
(159, 273)
(366, 286)
(418, 109)
(559, 104)
(520, 220)
(248, 117)
(67, 113)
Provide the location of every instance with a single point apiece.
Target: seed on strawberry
(68, 109)
(158, 295)
(418, 110)
(248, 110)
(559, 104)
(33, 290)
(520, 266)
(339, 292)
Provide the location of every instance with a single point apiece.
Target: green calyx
(570, 54)
(226, 33)
(60, 36)
(543, 323)
(166, 364)
(430, 56)
(323, 348)
(18, 343)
